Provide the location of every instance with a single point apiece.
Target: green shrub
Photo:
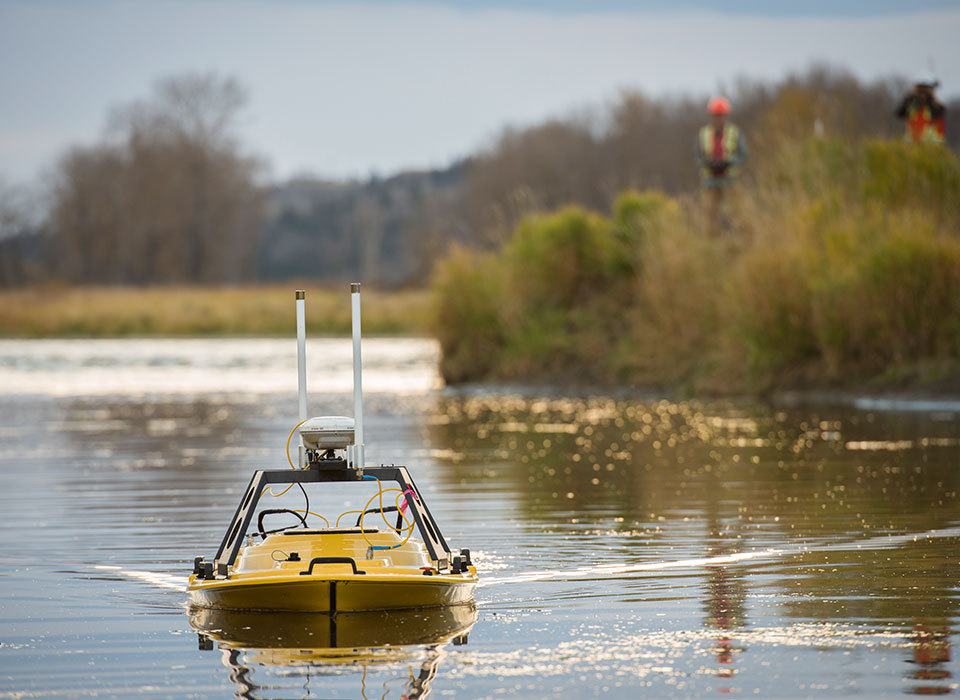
(637, 218)
(469, 295)
(538, 345)
(559, 260)
(767, 305)
(912, 285)
(898, 174)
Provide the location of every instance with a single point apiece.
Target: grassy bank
(841, 265)
(191, 311)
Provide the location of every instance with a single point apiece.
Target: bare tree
(367, 224)
(167, 196)
(20, 239)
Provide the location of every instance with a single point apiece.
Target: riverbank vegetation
(840, 262)
(54, 311)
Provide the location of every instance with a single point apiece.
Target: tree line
(639, 143)
(170, 195)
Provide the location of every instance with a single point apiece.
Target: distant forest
(170, 196)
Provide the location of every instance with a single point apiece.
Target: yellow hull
(332, 594)
(390, 580)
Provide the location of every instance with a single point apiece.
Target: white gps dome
(327, 433)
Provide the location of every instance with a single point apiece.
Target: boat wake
(602, 570)
(179, 583)
(616, 569)
(166, 581)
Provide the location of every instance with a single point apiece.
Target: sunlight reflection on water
(626, 545)
(215, 365)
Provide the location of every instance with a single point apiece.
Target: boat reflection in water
(325, 644)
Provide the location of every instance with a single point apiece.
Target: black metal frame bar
(433, 540)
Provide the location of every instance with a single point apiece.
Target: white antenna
(302, 364)
(357, 452)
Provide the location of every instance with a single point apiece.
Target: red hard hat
(718, 105)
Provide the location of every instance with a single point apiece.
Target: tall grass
(843, 264)
(207, 311)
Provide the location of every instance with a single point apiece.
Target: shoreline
(187, 311)
(922, 399)
(869, 394)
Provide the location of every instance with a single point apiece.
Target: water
(627, 546)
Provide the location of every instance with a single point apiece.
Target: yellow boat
(333, 569)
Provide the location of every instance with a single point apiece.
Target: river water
(627, 545)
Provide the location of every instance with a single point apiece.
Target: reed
(60, 311)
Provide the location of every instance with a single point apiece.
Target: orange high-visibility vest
(922, 127)
(730, 141)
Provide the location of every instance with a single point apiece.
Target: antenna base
(355, 456)
(328, 464)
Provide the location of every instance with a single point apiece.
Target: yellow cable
(275, 495)
(396, 504)
(383, 515)
(363, 512)
(289, 437)
(404, 516)
(380, 494)
(409, 528)
(310, 512)
(346, 512)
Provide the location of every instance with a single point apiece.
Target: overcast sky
(355, 88)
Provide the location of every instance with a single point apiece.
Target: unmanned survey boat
(332, 569)
(302, 567)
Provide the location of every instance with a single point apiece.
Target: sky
(352, 89)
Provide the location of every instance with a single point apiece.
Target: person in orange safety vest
(925, 115)
(720, 149)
